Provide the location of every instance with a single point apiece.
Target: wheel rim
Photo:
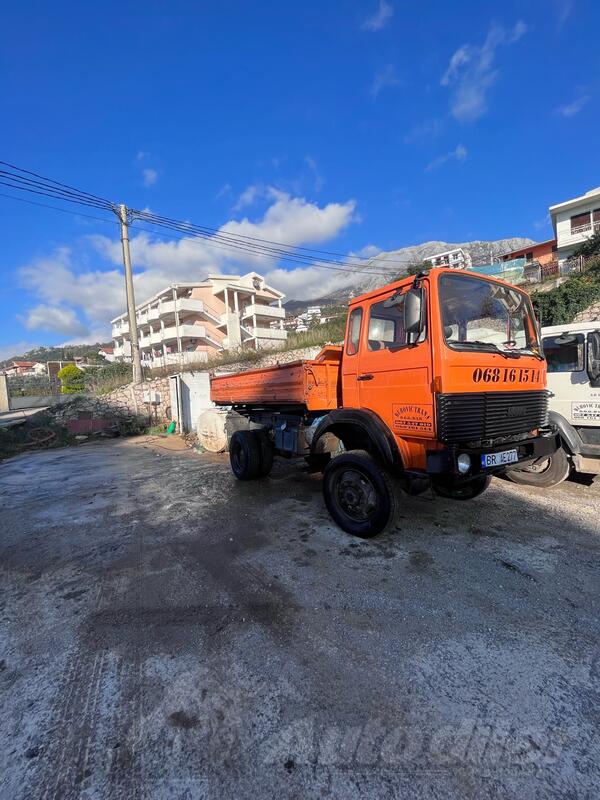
(356, 495)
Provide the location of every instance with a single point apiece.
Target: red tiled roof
(107, 349)
(24, 363)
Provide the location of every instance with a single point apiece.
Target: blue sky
(351, 126)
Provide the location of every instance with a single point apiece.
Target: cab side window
(354, 332)
(564, 354)
(386, 326)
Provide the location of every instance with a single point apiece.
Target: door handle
(366, 377)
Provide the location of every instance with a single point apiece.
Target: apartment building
(187, 323)
(574, 221)
(455, 259)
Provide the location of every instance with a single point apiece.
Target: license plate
(498, 459)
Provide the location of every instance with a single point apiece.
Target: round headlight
(463, 462)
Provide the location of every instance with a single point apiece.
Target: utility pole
(135, 347)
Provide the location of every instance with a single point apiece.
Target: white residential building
(574, 221)
(455, 259)
(190, 322)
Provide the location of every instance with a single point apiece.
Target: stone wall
(590, 314)
(134, 399)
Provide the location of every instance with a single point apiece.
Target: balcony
(256, 309)
(268, 333)
(120, 329)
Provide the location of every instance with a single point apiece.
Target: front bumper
(440, 462)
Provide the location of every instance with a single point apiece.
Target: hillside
(397, 261)
(56, 353)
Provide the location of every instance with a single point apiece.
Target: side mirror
(593, 358)
(413, 315)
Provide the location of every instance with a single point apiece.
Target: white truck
(573, 355)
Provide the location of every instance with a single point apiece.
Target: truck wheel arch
(569, 436)
(360, 429)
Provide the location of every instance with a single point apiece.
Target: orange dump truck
(441, 382)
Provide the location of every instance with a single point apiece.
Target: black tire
(359, 494)
(267, 453)
(245, 455)
(461, 490)
(546, 472)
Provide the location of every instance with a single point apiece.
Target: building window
(529, 256)
(579, 221)
(354, 332)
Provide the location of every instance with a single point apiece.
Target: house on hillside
(26, 368)
(542, 252)
(574, 221)
(455, 259)
(107, 353)
(188, 323)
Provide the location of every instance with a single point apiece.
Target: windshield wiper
(493, 347)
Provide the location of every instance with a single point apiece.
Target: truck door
(567, 376)
(394, 377)
(350, 395)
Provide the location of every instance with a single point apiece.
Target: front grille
(473, 417)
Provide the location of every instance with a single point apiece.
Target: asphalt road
(167, 632)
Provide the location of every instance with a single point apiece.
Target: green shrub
(72, 379)
(106, 378)
(562, 304)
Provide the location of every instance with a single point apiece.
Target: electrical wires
(239, 245)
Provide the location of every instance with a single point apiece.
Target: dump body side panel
(313, 384)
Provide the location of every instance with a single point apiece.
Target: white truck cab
(572, 352)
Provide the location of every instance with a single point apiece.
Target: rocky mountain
(394, 264)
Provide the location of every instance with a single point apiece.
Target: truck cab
(572, 354)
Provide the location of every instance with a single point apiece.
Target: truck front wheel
(545, 472)
(358, 494)
(245, 455)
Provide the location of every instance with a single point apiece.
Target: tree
(421, 266)
(72, 379)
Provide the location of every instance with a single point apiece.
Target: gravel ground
(168, 632)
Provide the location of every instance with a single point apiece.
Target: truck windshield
(478, 314)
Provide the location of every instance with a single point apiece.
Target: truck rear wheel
(266, 453)
(245, 455)
(359, 494)
(461, 490)
(545, 472)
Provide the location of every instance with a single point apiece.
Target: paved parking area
(168, 632)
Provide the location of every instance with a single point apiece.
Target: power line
(56, 208)
(250, 245)
(58, 183)
(266, 252)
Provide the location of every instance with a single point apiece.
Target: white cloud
(384, 79)
(224, 191)
(17, 349)
(458, 154)
(541, 224)
(319, 181)
(471, 72)
(380, 18)
(571, 109)
(141, 155)
(55, 319)
(69, 295)
(427, 129)
(249, 196)
(149, 176)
